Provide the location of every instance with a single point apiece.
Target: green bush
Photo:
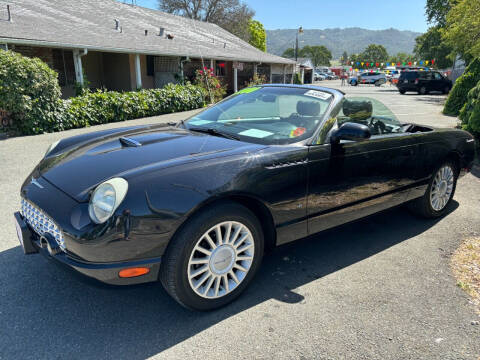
(458, 95)
(103, 107)
(470, 113)
(30, 93)
(297, 79)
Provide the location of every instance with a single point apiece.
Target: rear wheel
(423, 90)
(213, 257)
(446, 89)
(439, 193)
(402, 91)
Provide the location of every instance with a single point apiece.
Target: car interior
(372, 113)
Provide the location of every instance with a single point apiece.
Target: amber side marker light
(133, 272)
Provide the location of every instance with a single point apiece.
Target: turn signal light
(133, 272)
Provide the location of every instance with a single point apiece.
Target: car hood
(82, 166)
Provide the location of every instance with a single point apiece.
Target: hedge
(470, 113)
(104, 107)
(458, 96)
(30, 93)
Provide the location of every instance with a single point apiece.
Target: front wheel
(213, 257)
(439, 192)
(446, 89)
(402, 91)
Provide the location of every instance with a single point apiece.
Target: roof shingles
(91, 24)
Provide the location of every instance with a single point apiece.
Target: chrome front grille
(41, 222)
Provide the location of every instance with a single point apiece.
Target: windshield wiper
(215, 132)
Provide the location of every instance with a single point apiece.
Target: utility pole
(299, 31)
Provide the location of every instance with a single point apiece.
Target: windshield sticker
(299, 131)
(248, 90)
(255, 133)
(199, 122)
(318, 94)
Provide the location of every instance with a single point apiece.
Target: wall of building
(92, 64)
(148, 82)
(116, 70)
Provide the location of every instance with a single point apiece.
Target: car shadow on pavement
(47, 313)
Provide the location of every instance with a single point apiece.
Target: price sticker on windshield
(318, 94)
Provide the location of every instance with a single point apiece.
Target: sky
(323, 14)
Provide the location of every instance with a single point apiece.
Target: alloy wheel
(221, 259)
(442, 188)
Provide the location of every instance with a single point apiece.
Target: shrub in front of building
(31, 96)
(29, 93)
(102, 107)
(470, 113)
(211, 85)
(458, 96)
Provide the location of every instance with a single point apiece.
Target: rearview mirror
(350, 131)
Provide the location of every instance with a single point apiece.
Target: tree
(401, 57)
(289, 53)
(462, 29)
(319, 55)
(344, 59)
(430, 46)
(437, 10)
(258, 35)
(232, 15)
(375, 53)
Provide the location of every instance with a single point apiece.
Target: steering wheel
(378, 126)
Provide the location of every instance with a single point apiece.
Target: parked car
(376, 78)
(423, 82)
(196, 205)
(318, 77)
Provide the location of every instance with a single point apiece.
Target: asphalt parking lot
(380, 288)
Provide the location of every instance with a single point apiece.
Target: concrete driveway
(380, 288)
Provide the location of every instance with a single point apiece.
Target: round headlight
(106, 198)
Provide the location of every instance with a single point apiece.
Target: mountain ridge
(352, 40)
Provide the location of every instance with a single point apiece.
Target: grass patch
(465, 265)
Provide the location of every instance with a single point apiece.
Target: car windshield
(265, 115)
(371, 112)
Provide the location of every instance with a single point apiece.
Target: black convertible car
(196, 205)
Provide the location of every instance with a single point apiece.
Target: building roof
(91, 24)
(305, 62)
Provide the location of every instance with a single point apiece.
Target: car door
(351, 180)
(439, 81)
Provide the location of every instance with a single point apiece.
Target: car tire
(402, 91)
(446, 89)
(422, 90)
(377, 83)
(432, 204)
(215, 285)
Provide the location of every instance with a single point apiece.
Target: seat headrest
(357, 110)
(308, 108)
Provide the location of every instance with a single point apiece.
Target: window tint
(437, 76)
(409, 75)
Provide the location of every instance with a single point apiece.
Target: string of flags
(404, 63)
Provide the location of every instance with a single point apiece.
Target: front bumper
(104, 272)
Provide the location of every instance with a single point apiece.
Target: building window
(150, 65)
(220, 69)
(4, 46)
(167, 64)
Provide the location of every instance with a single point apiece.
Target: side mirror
(350, 131)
